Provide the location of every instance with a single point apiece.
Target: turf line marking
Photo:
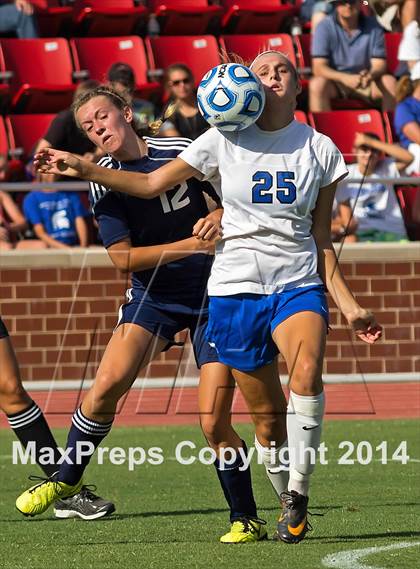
(350, 559)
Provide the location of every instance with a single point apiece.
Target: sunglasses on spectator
(184, 81)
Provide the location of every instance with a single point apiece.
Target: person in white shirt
(278, 180)
(373, 206)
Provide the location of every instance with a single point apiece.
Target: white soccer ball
(230, 97)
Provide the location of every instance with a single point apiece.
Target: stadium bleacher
(86, 36)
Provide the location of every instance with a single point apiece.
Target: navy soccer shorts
(241, 326)
(165, 319)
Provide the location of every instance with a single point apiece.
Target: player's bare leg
(301, 340)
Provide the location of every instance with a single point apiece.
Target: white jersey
(374, 204)
(269, 185)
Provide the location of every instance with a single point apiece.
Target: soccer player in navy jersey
(29, 425)
(166, 244)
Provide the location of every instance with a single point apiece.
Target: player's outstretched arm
(361, 320)
(146, 186)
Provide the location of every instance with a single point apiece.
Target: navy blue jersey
(167, 218)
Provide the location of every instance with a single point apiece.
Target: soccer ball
(230, 97)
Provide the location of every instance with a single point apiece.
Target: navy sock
(237, 488)
(30, 426)
(83, 430)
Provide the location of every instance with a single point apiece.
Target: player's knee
(105, 392)
(307, 374)
(214, 429)
(270, 428)
(12, 392)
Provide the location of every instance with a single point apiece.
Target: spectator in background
(18, 17)
(349, 59)
(183, 116)
(121, 77)
(395, 15)
(64, 134)
(407, 112)
(405, 161)
(373, 205)
(12, 222)
(57, 217)
(314, 11)
(409, 48)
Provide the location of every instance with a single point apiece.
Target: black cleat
(85, 505)
(293, 522)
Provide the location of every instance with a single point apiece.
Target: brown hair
(405, 88)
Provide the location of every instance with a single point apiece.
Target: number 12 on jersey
(262, 190)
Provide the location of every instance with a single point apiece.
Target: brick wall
(60, 309)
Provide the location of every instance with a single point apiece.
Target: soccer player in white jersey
(278, 179)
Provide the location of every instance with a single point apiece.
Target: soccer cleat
(85, 505)
(245, 530)
(293, 522)
(40, 497)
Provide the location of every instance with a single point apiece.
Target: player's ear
(128, 114)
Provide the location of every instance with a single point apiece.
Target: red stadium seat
(97, 54)
(109, 17)
(42, 73)
(303, 47)
(26, 130)
(248, 46)
(200, 53)
(392, 42)
(52, 18)
(407, 196)
(4, 142)
(342, 126)
(254, 16)
(301, 116)
(186, 17)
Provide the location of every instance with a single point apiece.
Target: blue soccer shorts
(165, 319)
(241, 326)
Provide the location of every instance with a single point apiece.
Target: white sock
(304, 428)
(276, 465)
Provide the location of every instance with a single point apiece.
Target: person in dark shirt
(165, 243)
(184, 119)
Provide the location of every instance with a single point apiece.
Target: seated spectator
(407, 112)
(182, 116)
(12, 222)
(18, 16)
(349, 59)
(64, 134)
(57, 217)
(121, 77)
(405, 161)
(374, 205)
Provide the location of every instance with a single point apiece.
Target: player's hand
(209, 227)
(207, 245)
(24, 6)
(50, 161)
(365, 326)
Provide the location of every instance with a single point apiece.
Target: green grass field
(172, 515)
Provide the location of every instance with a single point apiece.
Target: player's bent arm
(362, 321)
(130, 259)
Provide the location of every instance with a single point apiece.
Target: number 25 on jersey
(262, 191)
